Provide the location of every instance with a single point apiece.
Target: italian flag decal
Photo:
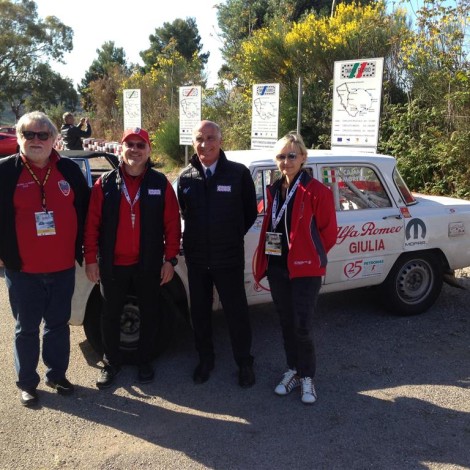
(329, 176)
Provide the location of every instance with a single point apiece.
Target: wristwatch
(172, 261)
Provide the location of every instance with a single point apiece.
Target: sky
(129, 25)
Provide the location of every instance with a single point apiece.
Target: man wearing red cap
(132, 237)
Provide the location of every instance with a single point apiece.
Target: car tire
(413, 284)
(171, 316)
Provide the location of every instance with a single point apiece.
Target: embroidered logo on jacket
(224, 189)
(64, 186)
(155, 192)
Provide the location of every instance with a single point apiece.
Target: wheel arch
(173, 314)
(414, 282)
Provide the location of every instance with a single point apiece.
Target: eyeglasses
(139, 145)
(282, 157)
(30, 135)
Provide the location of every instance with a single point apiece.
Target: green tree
(240, 19)
(182, 35)
(109, 58)
(42, 89)
(26, 42)
(283, 52)
(430, 134)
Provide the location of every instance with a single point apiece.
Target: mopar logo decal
(415, 233)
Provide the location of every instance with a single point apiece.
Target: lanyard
(275, 220)
(128, 199)
(41, 185)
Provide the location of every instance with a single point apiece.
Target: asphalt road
(394, 393)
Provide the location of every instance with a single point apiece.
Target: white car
(405, 243)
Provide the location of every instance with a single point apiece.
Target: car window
(264, 177)
(403, 188)
(99, 166)
(82, 164)
(355, 187)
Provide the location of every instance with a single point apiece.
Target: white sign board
(190, 112)
(132, 111)
(265, 115)
(357, 94)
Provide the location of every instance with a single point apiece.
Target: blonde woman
(298, 230)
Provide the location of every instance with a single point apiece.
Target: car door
(370, 227)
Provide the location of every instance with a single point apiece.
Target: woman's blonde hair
(293, 139)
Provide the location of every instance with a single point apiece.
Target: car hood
(440, 201)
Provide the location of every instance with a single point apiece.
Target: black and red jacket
(313, 229)
(157, 221)
(10, 171)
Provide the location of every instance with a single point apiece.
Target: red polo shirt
(46, 253)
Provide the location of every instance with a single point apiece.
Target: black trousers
(295, 301)
(230, 286)
(114, 291)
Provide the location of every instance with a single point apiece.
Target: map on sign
(357, 92)
(190, 109)
(356, 101)
(264, 109)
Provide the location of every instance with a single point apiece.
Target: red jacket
(312, 233)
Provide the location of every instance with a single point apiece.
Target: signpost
(132, 110)
(265, 115)
(190, 114)
(357, 94)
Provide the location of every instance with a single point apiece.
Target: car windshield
(403, 188)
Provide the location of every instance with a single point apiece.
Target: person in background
(132, 238)
(43, 205)
(218, 204)
(298, 230)
(71, 134)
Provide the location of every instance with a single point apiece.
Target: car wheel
(169, 317)
(413, 284)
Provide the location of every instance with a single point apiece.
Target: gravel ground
(393, 394)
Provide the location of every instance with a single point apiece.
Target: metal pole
(186, 156)
(299, 105)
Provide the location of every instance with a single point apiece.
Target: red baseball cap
(142, 133)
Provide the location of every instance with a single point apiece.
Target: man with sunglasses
(43, 205)
(72, 135)
(132, 238)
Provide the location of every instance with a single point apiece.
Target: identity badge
(45, 223)
(273, 243)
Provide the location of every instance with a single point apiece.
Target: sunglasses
(282, 157)
(139, 145)
(30, 135)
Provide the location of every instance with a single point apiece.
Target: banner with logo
(265, 115)
(357, 94)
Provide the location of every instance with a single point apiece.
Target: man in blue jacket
(218, 203)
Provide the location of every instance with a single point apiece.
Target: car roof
(90, 154)
(266, 157)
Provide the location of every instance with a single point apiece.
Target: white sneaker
(290, 380)
(309, 395)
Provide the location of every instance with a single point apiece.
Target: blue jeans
(295, 301)
(34, 297)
